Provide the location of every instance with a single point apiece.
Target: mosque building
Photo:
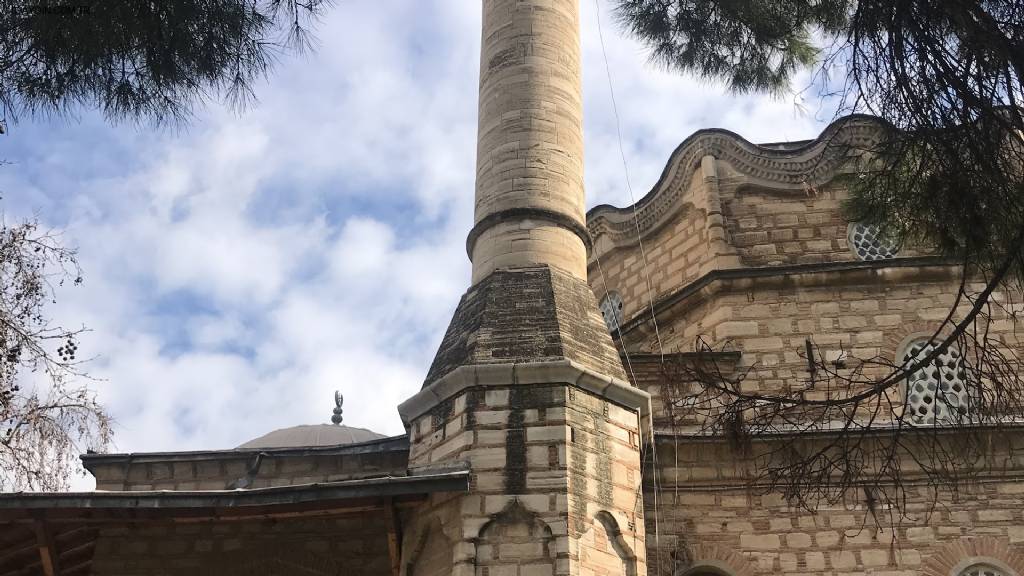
(548, 437)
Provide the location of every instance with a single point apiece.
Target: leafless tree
(47, 415)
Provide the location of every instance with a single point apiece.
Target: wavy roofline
(764, 150)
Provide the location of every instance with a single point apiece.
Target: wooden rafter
(394, 525)
(48, 554)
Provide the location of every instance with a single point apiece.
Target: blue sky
(238, 271)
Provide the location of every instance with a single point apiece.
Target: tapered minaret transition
(527, 388)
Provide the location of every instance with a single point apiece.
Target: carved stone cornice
(793, 168)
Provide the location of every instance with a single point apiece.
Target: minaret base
(554, 455)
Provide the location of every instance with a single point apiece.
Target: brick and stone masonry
(747, 249)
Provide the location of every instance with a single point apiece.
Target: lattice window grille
(868, 243)
(983, 570)
(611, 309)
(937, 392)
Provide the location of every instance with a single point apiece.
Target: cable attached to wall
(629, 183)
(647, 279)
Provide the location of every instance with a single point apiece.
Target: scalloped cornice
(812, 163)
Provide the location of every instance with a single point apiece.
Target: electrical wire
(647, 278)
(629, 183)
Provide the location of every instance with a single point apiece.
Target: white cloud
(241, 271)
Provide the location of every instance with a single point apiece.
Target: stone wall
(345, 546)
(675, 257)
(676, 252)
(710, 518)
(794, 278)
(754, 262)
(772, 228)
(853, 316)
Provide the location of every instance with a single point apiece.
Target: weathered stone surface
(527, 315)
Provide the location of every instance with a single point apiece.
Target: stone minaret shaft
(529, 187)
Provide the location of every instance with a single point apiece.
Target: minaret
(529, 187)
(527, 389)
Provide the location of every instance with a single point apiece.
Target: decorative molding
(516, 513)
(704, 559)
(805, 165)
(518, 214)
(955, 557)
(525, 373)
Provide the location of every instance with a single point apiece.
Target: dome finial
(338, 400)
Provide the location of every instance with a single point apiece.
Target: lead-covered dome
(313, 435)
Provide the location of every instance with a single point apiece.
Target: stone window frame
(901, 351)
(953, 557)
(707, 568)
(963, 567)
(892, 251)
(705, 558)
(610, 296)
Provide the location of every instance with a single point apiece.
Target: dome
(313, 435)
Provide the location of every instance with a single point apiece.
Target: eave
(391, 444)
(179, 506)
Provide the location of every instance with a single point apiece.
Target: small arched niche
(432, 555)
(515, 542)
(603, 550)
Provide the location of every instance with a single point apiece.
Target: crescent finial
(338, 401)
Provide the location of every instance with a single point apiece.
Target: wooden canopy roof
(55, 534)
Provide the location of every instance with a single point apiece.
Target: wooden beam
(67, 554)
(229, 515)
(48, 554)
(394, 539)
(94, 516)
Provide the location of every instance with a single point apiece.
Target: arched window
(983, 570)
(868, 243)
(705, 568)
(611, 309)
(935, 393)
